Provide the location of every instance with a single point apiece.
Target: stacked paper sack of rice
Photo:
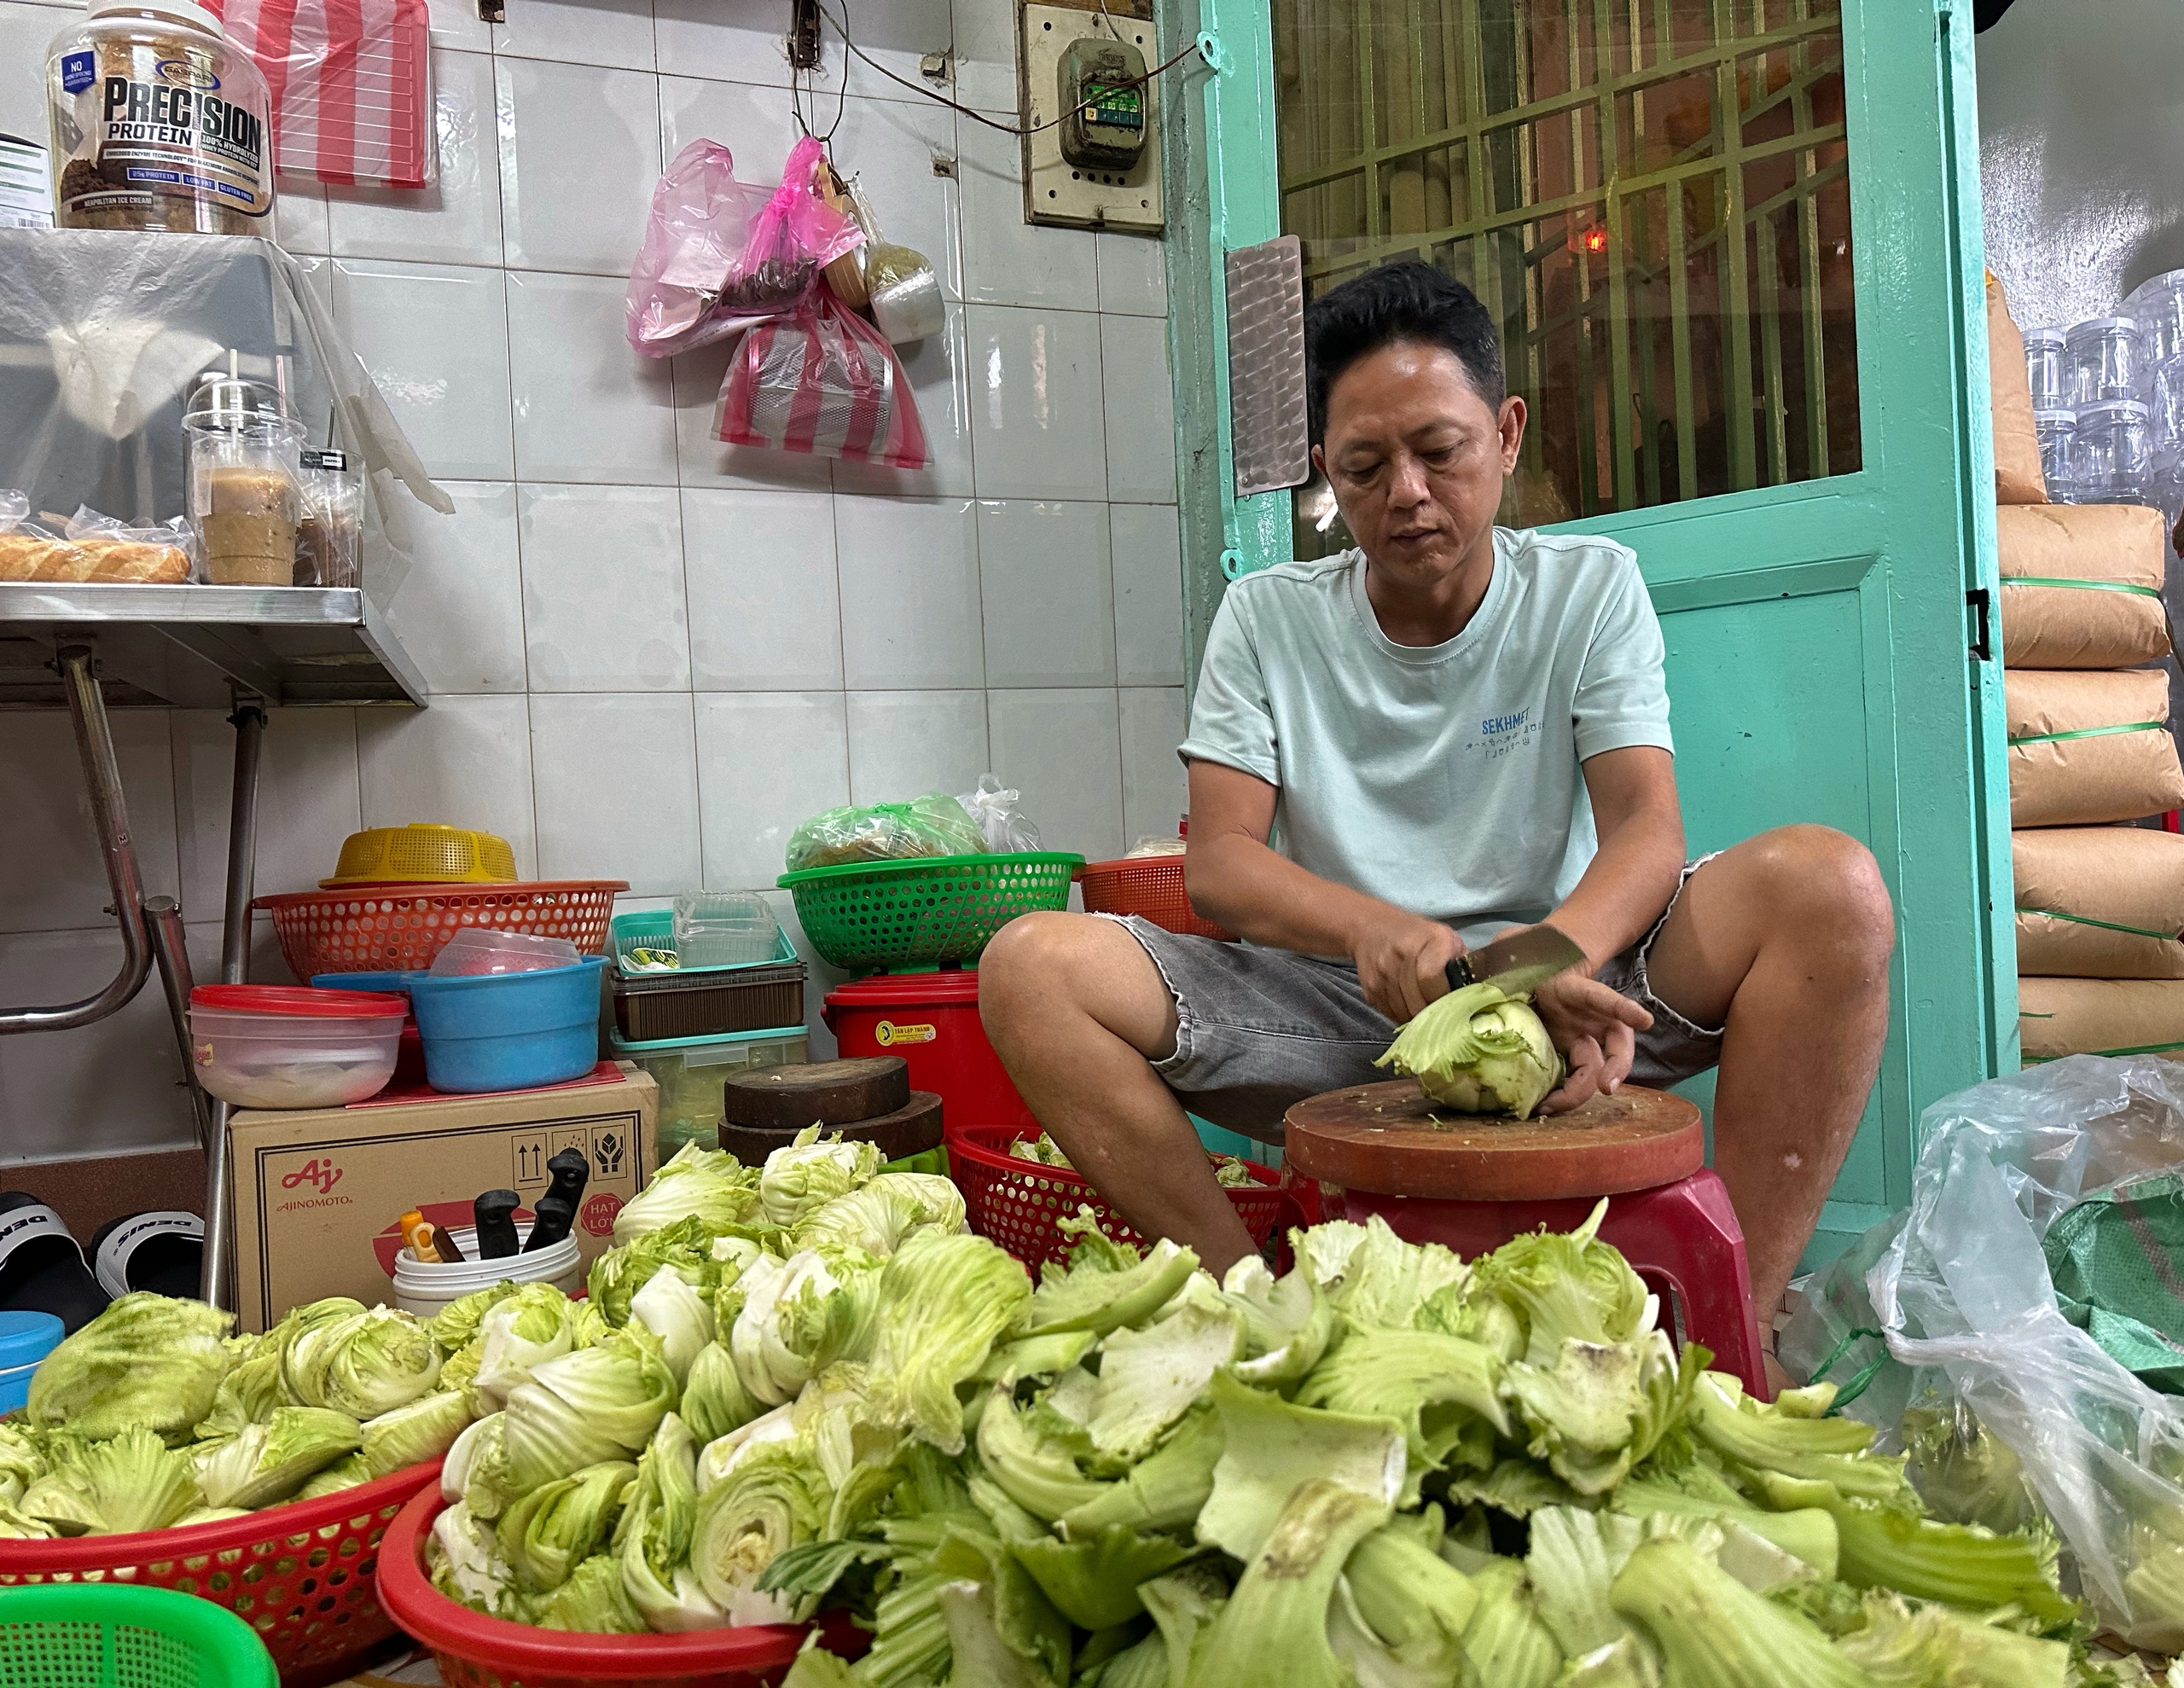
(2100, 901)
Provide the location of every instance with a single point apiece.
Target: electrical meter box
(1102, 86)
(1092, 154)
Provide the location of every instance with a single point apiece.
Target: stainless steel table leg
(110, 814)
(216, 1286)
(163, 924)
(249, 723)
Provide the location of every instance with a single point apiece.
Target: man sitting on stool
(1453, 730)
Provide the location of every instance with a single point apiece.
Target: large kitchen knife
(1518, 963)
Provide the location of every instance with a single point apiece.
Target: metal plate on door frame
(1267, 415)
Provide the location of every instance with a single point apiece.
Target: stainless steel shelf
(194, 646)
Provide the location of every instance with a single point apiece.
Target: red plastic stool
(1471, 1184)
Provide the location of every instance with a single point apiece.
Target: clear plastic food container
(2113, 452)
(294, 1047)
(2105, 358)
(488, 950)
(724, 929)
(2165, 414)
(2047, 370)
(2157, 305)
(2057, 433)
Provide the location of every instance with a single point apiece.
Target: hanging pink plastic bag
(701, 222)
(792, 240)
(823, 382)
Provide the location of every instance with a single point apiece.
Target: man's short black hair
(1398, 302)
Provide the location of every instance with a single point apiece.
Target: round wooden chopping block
(908, 1130)
(816, 1093)
(1392, 1140)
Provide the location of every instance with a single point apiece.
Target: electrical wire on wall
(840, 25)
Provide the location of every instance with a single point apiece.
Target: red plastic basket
(1147, 886)
(400, 928)
(300, 1575)
(1020, 1205)
(477, 1651)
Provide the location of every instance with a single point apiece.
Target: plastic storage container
(2165, 415)
(690, 1071)
(2157, 306)
(509, 1032)
(424, 1287)
(2057, 433)
(477, 950)
(2046, 370)
(932, 1021)
(2113, 451)
(25, 1338)
(688, 1001)
(2105, 360)
(724, 929)
(291, 1046)
(159, 121)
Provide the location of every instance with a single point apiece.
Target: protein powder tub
(158, 122)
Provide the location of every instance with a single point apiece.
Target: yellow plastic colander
(422, 854)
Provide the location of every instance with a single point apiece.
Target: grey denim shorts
(1258, 1030)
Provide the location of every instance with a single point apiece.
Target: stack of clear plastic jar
(2113, 453)
(2105, 360)
(2057, 433)
(2046, 370)
(2157, 306)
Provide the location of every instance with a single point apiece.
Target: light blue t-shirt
(1443, 778)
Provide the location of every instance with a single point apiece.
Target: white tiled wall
(652, 655)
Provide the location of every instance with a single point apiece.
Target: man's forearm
(1261, 895)
(1628, 883)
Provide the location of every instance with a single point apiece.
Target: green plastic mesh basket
(925, 911)
(110, 1635)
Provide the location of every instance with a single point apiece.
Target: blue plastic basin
(509, 1032)
(397, 983)
(25, 1338)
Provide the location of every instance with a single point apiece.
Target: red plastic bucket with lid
(932, 1021)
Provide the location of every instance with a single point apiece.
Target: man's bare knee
(1043, 965)
(1824, 884)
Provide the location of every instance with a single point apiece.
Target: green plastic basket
(925, 911)
(111, 1635)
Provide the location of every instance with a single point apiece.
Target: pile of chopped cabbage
(151, 1415)
(1388, 1468)
(1229, 1171)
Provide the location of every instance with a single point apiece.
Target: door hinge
(1982, 630)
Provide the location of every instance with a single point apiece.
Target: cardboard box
(312, 1187)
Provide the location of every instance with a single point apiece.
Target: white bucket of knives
(424, 1287)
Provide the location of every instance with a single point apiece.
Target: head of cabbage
(1479, 1051)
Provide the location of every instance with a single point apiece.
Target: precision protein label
(159, 130)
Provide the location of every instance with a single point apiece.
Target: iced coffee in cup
(244, 488)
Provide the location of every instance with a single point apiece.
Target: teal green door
(1733, 245)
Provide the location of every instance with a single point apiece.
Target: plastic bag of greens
(1958, 1292)
(935, 824)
